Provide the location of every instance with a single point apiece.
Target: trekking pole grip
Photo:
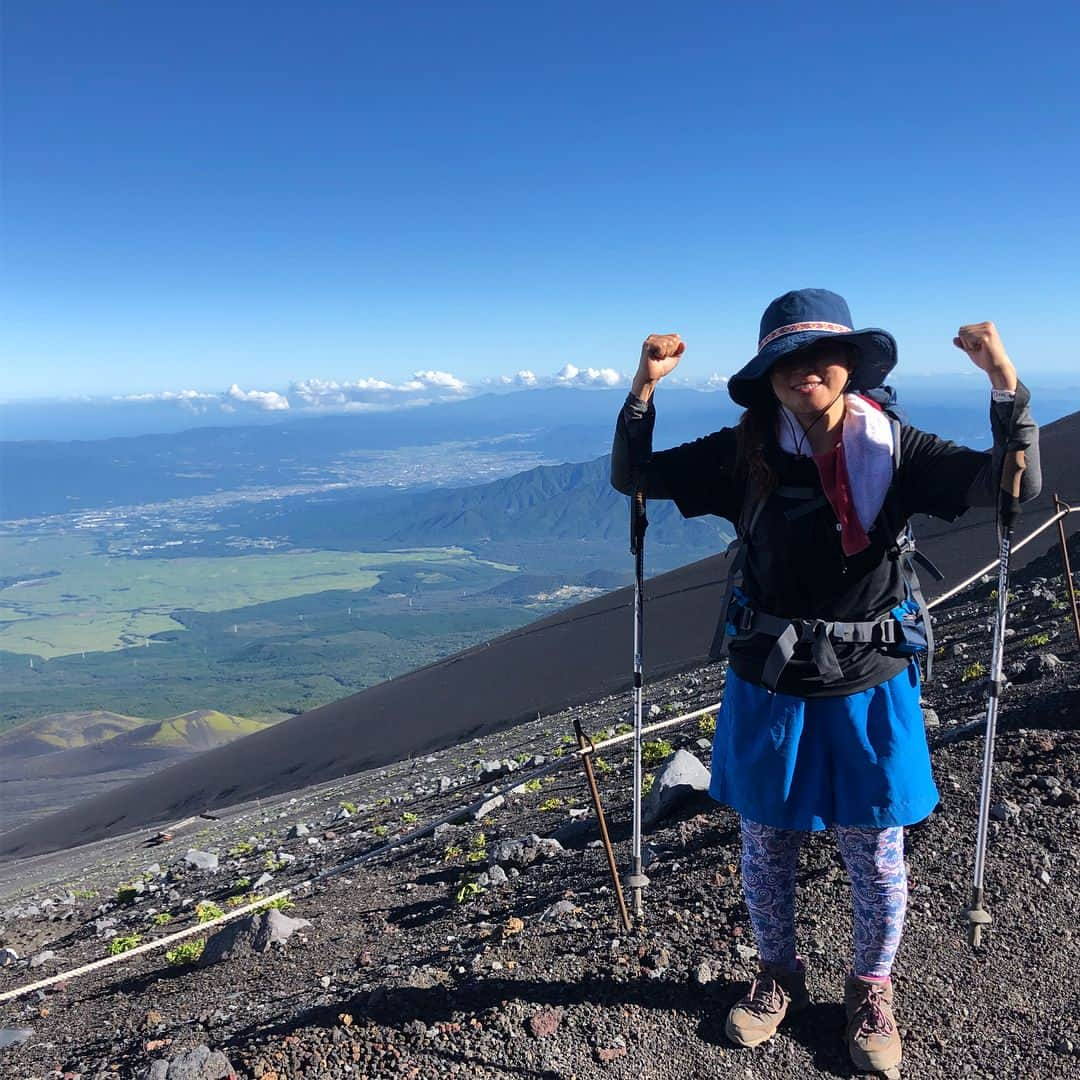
(1012, 473)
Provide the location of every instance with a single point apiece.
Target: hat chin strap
(799, 437)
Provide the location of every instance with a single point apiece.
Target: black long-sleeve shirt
(795, 566)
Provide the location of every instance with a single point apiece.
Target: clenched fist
(985, 350)
(660, 355)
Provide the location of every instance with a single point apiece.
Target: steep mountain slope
(482, 951)
(559, 661)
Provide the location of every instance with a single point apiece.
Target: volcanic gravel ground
(396, 976)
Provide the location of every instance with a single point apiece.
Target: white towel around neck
(868, 452)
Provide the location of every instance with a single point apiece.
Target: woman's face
(811, 381)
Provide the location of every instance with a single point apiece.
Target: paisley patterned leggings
(875, 861)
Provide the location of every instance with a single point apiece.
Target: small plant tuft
(655, 751)
(1037, 639)
(282, 903)
(707, 725)
(123, 943)
(468, 890)
(162, 918)
(554, 803)
(973, 671)
(207, 911)
(187, 952)
(348, 807)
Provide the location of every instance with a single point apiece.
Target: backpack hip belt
(898, 629)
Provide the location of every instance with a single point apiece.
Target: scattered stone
(654, 711)
(14, 1036)
(682, 777)
(8, 957)
(42, 958)
(703, 973)
(202, 1063)
(298, 830)
(1005, 810)
(658, 960)
(492, 770)
(559, 910)
(607, 1054)
(544, 1023)
(1044, 663)
(930, 717)
(445, 784)
(488, 806)
(255, 933)
(496, 875)
(201, 860)
(261, 881)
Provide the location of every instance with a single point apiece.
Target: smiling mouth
(806, 385)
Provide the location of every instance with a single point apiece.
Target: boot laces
(765, 997)
(873, 1020)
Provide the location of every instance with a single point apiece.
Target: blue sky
(206, 195)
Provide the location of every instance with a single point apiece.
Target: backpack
(906, 628)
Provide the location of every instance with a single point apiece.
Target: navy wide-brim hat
(800, 319)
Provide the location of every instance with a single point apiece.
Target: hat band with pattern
(794, 328)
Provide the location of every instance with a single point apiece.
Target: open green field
(75, 599)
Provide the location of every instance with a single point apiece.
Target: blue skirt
(808, 763)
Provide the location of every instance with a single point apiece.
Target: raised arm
(631, 452)
(944, 479)
(699, 476)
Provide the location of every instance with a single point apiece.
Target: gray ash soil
(396, 978)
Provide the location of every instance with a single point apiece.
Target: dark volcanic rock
(254, 933)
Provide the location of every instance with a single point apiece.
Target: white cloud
(425, 386)
(267, 400)
(575, 376)
(193, 400)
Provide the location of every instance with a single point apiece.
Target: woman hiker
(820, 725)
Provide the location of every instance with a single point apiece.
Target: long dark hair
(755, 432)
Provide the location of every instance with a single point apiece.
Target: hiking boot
(872, 1038)
(772, 995)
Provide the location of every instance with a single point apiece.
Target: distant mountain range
(550, 504)
(51, 477)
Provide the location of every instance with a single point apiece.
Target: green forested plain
(281, 655)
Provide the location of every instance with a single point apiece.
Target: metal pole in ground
(1012, 472)
(588, 749)
(1059, 506)
(638, 524)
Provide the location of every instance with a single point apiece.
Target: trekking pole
(1058, 507)
(638, 524)
(1011, 474)
(588, 749)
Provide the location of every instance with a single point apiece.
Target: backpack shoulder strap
(752, 505)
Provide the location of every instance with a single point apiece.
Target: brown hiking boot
(872, 1038)
(772, 995)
